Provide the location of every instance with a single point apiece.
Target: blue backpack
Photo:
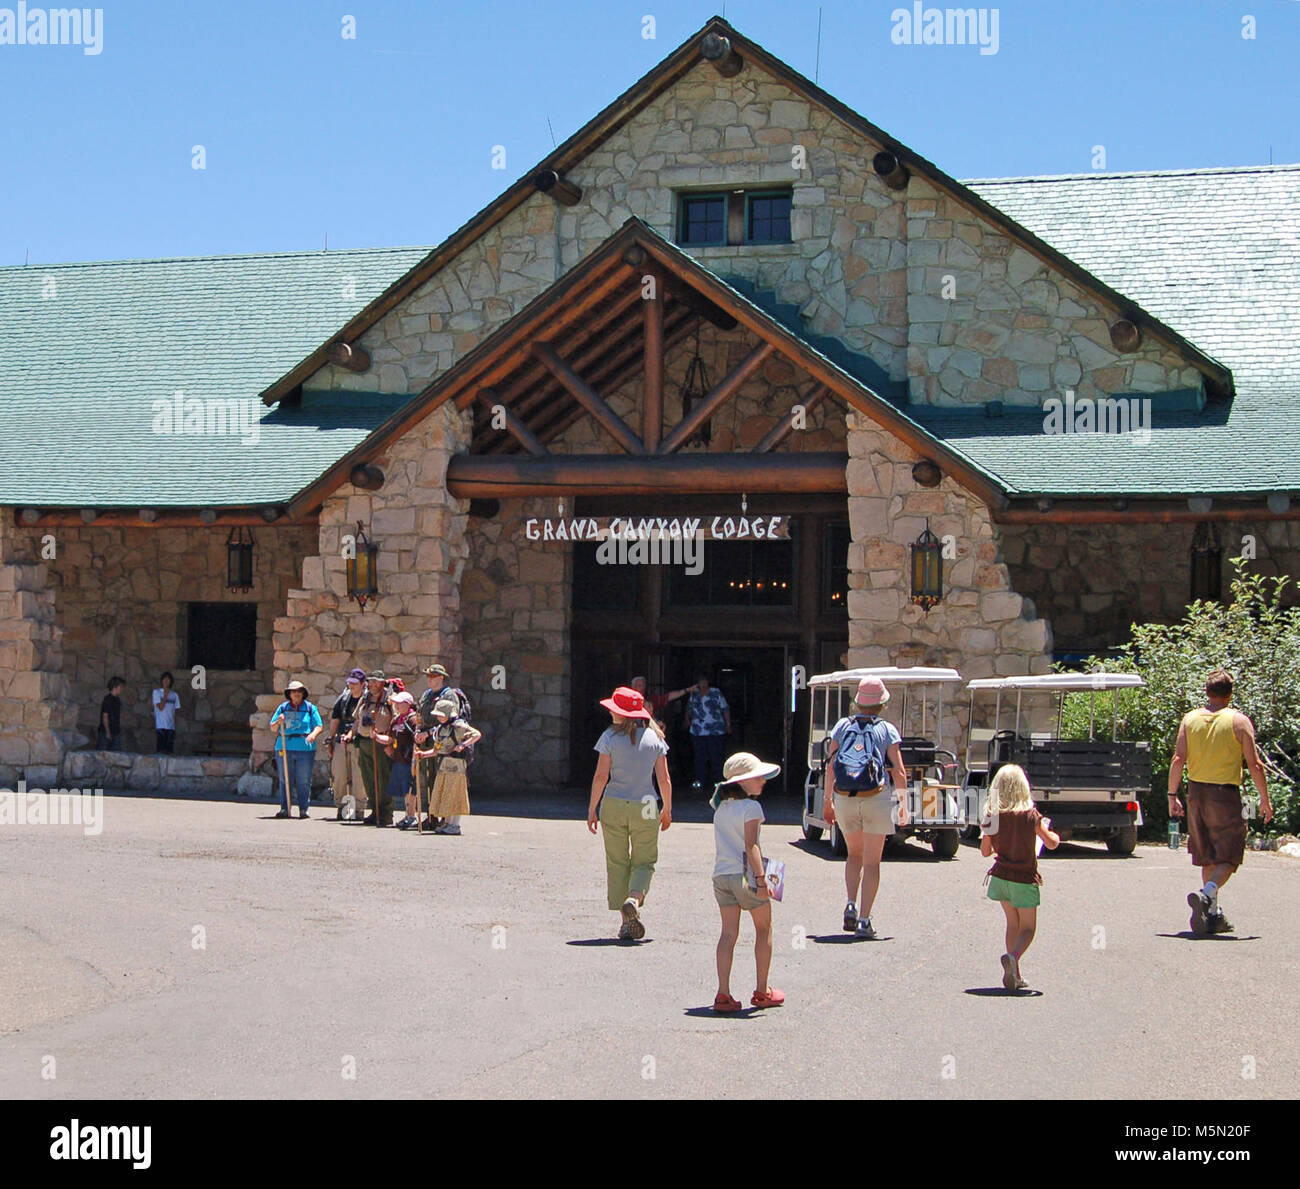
(858, 765)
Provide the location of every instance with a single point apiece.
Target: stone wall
(420, 533)
(1100, 579)
(121, 597)
(41, 715)
(516, 609)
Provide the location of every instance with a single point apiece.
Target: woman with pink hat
(632, 754)
(862, 755)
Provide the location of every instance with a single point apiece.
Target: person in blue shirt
(710, 723)
(300, 727)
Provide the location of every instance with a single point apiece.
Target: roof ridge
(1136, 173)
(226, 256)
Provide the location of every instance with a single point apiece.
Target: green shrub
(1258, 641)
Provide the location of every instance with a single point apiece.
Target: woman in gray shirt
(632, 753)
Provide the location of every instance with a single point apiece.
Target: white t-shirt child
(165, 719)
(729, 835)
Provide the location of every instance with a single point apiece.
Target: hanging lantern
(695, 388)
(927, 569)
(363, 576)
(1207, 563)
(239, 561)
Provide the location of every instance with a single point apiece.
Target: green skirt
(1018, 895)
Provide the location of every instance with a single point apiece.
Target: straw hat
(743, 765)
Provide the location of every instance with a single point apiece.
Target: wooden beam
(565, 192)
(719, 396)
(349, 356)
(511, 476)
(516, 428)
(590, 399)
(652, 409)
(785, 427)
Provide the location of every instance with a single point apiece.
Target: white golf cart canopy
(889, 674)
(1063, 682)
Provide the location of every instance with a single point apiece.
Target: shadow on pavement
(610, 941)
(1003, 993)
(845, 939)
(707, 1013)
(1188, 935)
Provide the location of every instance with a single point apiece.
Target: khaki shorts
(1216, 828)
(732, 890)
(873, 814)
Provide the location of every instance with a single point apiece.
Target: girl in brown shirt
(1010, 831)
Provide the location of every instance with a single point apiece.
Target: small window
(767, 218)
(703, 219)
(223, 635)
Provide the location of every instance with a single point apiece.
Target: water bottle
(1173, 833)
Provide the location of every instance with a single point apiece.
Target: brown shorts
(1216, 826)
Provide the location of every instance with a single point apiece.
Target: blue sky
(387, 138)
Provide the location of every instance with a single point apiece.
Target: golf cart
(1087, 786)
(934, 799)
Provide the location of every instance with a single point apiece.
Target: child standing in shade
(739, 883)
(451, 737)
(1010, 830)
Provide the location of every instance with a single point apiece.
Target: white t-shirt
(729, 834)
(165, 719)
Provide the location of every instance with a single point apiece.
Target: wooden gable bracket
(565, 192)
(722, 393)
(349, 356)
(785, 427)
(490, 400)
(716, 48)
(589, 399)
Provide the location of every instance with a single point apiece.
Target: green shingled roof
(88, 348)
(1214, 253)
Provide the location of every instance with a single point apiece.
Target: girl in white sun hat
(738, 879)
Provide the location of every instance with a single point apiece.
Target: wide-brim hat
(744, 765)
(438, 669)
(377, 675)
(295, 685)
(626, 703)
(871, 692)
(446, 706)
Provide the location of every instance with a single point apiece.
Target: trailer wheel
(971, 834)
(812, 833)
(839, 848)
(944, 843)
(1123, 841)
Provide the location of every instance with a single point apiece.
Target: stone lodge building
(726, 296)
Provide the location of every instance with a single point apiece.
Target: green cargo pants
(631, 830)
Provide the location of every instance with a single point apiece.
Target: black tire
(945, 843)
(839, 848)
(971, 834)
(1124, 841)
(812, 833)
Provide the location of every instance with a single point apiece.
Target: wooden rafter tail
(516, 428)
(785, 427)
(652, 410)
(725, 390)
(590, 399)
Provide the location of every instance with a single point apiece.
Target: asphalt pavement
(197, 948)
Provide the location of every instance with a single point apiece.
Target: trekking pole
(419, 763)
(374, 772)
(284, 763)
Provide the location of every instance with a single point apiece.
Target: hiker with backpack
(864, 770)
(453, 743)
(440, 687)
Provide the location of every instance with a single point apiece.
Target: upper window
(733, 218)
(703, 219)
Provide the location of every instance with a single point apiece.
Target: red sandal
(769, 998)
(725, 1003)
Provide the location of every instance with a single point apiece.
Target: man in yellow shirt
(1212, 743)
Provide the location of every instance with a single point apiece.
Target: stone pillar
(982, 627)
(420, 532)
(40, 719)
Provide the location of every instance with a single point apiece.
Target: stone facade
(420, 533)
(1101, 579)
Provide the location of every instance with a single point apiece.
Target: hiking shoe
(632, 920)
(865, 932)
(302, 817)
(282, 813)
(370, 819)
(1021, 985)
(1010, 972)
(448, 828)
(406, 823)
(1216, 922)
(1199, 903)
(850, 917)
(431, 824)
